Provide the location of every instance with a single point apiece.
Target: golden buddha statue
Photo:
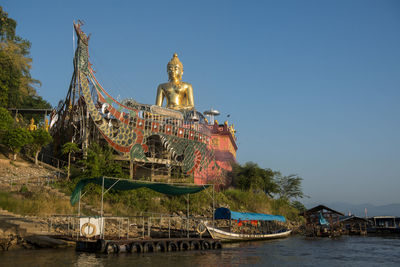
(32, 126)
(179, 95)
(46, 125)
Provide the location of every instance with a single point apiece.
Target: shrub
(15, 139)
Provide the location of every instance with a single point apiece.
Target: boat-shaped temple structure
(157, 142)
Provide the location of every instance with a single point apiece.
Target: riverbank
(33, 202)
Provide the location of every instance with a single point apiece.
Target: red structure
(223, 143)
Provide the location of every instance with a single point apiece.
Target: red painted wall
(223, 143)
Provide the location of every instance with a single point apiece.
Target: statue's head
(175, 68)
(32, 121)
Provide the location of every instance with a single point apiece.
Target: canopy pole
(80, 196)
(79, 205)
(187, 223)
(213, 208)
(101, 211)
(102, 197)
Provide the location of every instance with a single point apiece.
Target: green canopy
(123, 184)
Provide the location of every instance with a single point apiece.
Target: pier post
(101, 211)
(73, 227)
(169, 227)
(213, 208)
(149, 226)
(127, 231)
(78, 226)
(119, 227)
(143, 225)
(102, 197)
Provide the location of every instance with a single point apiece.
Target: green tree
(298, 205)
(15, 139)
(251, 176)
(68, 149)
(10, 74)
(6, 121)
(17, 87)
(100, 162)
(40, 139)
(7, 26)
(289, 186)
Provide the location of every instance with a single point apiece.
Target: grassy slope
(37, 202)
(34, 203)
(124, 203)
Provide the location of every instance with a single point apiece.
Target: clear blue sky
(313, 87)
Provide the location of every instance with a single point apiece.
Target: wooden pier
(147, 245)
(322, 221)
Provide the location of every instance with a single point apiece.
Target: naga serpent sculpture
(127, 127)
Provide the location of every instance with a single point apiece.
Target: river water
(293, 251)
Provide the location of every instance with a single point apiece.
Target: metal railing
(16, 183)
(145, 225)
(52, 161)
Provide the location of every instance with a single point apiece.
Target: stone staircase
(16, 185)
(14, 224)
(13, 176)
(17, 232)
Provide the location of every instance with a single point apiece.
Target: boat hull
(224, 236)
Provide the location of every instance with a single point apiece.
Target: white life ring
(201, 228)
(87, 233)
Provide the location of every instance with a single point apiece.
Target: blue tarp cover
(322, 219)
(224, 213)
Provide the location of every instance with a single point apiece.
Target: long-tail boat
(259, 226)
